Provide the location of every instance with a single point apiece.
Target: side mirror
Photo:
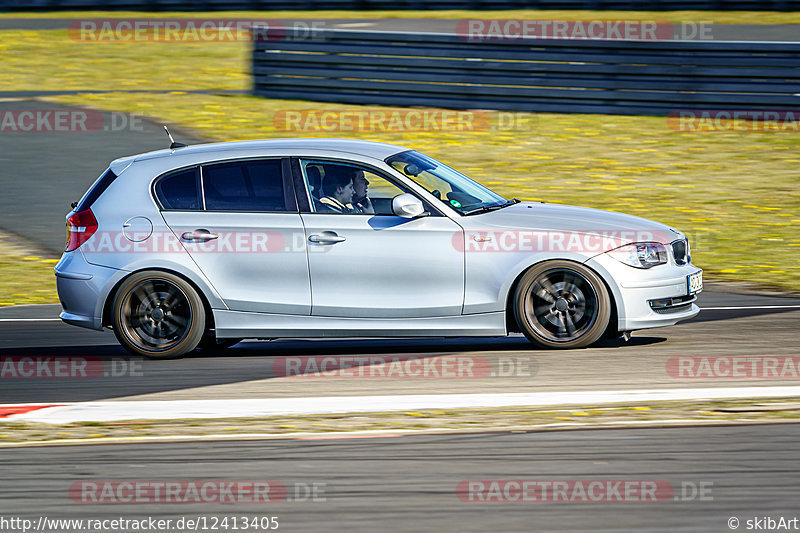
(407, 206)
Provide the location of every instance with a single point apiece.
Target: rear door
(243, 231)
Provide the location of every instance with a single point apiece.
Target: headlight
(641, 254)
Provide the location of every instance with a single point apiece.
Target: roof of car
(366, 148)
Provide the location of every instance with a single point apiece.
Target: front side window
(180, 191)
(451, 187)
(342, 188)
(244, 186)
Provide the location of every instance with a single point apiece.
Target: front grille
(672, 305)
(680, 251)
(677, 309)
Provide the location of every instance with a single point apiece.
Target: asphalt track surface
(766, 326)
(43, 172)
(718, 32)
(400, 483)
(409, 483)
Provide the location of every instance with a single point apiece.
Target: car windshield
(448, 185)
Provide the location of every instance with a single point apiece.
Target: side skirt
(237, 324)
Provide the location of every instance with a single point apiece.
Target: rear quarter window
(180, 190)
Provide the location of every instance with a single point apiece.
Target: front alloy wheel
(158, 315)
(561, 304)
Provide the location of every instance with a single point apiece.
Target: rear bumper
(82, 289)
(634, 289)
(91, 322)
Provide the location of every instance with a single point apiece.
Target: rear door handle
(326, 237)
(201, 235)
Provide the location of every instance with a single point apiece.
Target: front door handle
(326, 237)
(200, 235)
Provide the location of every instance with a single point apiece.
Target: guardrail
(212, 5)
(580, 76)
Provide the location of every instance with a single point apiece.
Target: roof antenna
(173, 145)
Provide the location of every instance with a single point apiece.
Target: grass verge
(26, 273)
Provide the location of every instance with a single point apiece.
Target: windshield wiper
(495, 207)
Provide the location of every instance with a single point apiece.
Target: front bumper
(82, 288)
(634, 290)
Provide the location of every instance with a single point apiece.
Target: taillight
(80, 226)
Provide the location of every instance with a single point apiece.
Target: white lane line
(30, 320)
(750, 307)
(354, 25)
(107, 411)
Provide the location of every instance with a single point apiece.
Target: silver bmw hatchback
(206, 245)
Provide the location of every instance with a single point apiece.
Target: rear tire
(158, 315)
(562, 304)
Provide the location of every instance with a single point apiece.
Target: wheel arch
(109, 300)
(511, 319)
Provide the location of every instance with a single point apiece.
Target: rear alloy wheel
(158, 315)
(561, 304)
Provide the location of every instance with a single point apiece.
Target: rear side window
(244, 186)
(180, 190)
(96, 190)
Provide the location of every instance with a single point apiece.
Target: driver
(338, 185)
(361, 202)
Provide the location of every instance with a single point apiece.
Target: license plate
(695, 282)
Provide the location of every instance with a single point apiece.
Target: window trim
(303, 201)
(289, 198)
(202, 187)
(168, 174)
(300, 180)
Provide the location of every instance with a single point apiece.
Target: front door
(366, 262)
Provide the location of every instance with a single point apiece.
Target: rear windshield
(96, 190)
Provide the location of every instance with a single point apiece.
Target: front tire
(158, 315)
(562, 304)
